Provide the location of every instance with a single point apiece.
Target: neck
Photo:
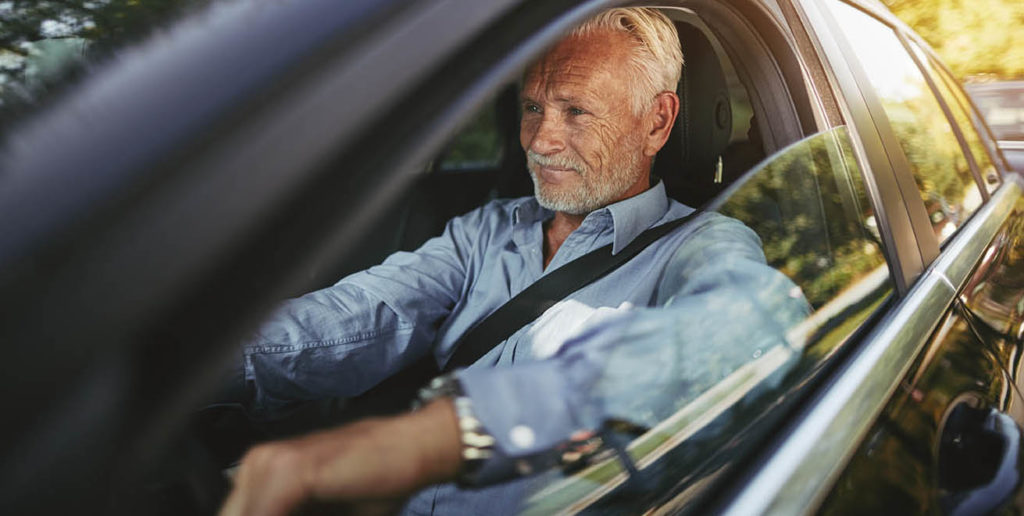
(563, 224)
(557, 230)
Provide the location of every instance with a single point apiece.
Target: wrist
(435, 426)
(476, 446)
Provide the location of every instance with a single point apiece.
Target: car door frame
(155, 275)
(801, 465)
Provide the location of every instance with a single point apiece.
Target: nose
(547, 136)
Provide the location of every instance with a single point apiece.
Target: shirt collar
(528, 211)
(630, 217)
(634, 215)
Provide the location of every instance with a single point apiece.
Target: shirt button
(522, 436)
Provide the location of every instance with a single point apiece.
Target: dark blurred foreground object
(1002, 105)
(157, 198)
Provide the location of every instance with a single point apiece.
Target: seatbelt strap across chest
(558, 284)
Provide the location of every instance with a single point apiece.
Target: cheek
(527, 129)
(597, 143)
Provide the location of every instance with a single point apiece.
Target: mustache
(534, 159)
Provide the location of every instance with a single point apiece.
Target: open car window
(808, 206)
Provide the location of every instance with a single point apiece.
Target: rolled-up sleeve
(719, 307)
(344, 339)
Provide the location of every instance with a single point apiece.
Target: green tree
(45, 44)
(973, 37)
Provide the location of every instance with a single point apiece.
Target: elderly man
(596, 107)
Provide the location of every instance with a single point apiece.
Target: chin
(566, 202)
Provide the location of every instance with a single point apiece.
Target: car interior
(744, 107)
(717, 137)
(729, 122)
(715, 140)
(727, 125)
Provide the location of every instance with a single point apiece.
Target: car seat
(689, 162)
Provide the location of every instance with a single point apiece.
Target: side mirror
(979, 460)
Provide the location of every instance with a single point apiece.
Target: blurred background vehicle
(1002, 105)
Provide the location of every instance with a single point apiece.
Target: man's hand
(369, 461)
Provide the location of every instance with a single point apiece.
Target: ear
(660, 119)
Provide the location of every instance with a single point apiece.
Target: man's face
(582, 140)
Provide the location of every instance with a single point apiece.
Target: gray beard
(592, 195)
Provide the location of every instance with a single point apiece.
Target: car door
(808, 203)
(156, 209)
(890, 432)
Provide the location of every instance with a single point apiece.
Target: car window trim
(899, 241)
(947, 110)
(902, 170)
(819, 75)
(992, 143)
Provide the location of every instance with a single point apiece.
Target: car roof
(995, 86)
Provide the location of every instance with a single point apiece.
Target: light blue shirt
(703, 289)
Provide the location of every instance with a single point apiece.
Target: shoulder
(714, 222)
(709, 224)
(711, 236)
(491, 222)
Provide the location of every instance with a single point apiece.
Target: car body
(154, 211)
(1002, 105)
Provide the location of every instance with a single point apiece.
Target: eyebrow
(569, 99)
(562, 99)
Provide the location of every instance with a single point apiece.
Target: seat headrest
(689, 159)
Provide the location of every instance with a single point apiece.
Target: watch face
(444, 386)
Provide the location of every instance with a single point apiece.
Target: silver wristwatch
(477, 443)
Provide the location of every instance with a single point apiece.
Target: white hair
(657, 60)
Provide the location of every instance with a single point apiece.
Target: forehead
(583, 61)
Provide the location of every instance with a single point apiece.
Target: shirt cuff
(532, 408)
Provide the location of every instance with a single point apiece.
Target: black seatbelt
(394, 394)
(558, 284)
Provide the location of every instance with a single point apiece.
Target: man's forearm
(377, 459)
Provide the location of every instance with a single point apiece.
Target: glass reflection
(808, 206)
(940, 169)
(477, 145)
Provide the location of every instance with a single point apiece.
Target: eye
(575, 111)
(530, 107)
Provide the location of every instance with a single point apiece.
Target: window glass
(477, 145)
(46, 45)
(808, 206)
(958, 104)
(940, 168)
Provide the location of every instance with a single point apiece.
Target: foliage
(478, 144)
(973, 37)
(811, 217)
(45, 44)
